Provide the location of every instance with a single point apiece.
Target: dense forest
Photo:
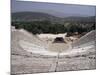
(48, 27)
(51, 24)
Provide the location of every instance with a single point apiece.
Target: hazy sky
(52, 8)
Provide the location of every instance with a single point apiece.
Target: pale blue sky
(53, 8)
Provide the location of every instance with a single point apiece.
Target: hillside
(80, 19)
(33, 16)
(39, 16)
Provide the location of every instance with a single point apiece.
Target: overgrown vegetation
(37, 22)
(37, 27)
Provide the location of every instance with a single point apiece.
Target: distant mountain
(64, 15)
(33, 16)
(80, 19)
(39, 16)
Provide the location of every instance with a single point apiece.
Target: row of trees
(37, 27)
